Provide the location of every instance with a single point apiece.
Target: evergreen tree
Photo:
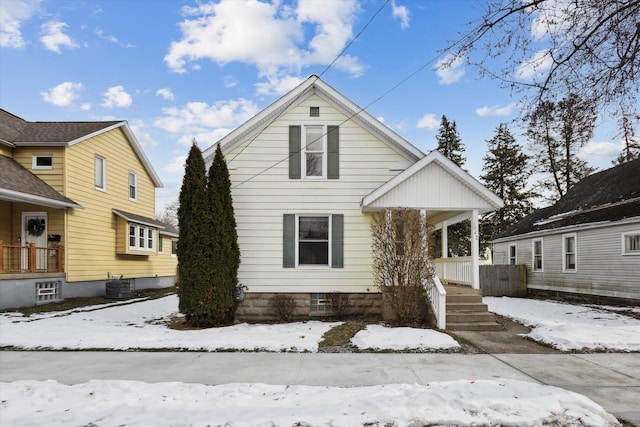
(556, 132)
(631, 142)
(506, 172)
(450, 144)
(224, 250)
(193, 262)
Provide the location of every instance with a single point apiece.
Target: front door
(34, 231)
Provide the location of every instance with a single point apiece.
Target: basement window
(48, 291)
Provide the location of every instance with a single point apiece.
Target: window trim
(303, 151)
(34, 161)
(326, 266)
(103, 162)
(533, 255)
(174, 248)
(135, 186)
(515, 253)
(624, 250)
(142, 233)
(565, 269)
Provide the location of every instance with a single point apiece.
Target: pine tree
(556, 132)
(506, 172)
(450, 144)
(631, 142)
(224, 250)
(193, 262)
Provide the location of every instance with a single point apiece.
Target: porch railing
(30, 259)
(456, 269)
(438, 299)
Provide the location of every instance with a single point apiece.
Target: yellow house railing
(30, 259)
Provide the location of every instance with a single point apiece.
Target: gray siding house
(586, 243)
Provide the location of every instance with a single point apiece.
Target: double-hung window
(537, 255)
(569, 253)
(631, 243)
(313, 240)
(141, 238)
(512, 254)
(314, 156)
(133, 186)
(101, 173)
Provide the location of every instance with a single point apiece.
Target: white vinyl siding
(262, 192)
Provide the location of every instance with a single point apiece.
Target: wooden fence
(503, 280)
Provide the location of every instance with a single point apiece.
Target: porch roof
(437, 185)
(17, 184)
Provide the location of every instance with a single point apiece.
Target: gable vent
(314, 111)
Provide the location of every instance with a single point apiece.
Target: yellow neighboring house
(77, 208)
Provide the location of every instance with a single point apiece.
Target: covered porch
(445, 195)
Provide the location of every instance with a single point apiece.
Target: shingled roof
(16, 130)
(19, 184)
(610, 195)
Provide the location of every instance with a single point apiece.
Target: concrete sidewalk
(612, 380)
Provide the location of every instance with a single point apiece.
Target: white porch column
(475, 251)
(445, 242)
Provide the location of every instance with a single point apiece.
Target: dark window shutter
(333, 149)
(337, 241)
(295, 154)
(289, 241)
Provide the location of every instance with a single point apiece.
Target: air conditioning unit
(118, 289)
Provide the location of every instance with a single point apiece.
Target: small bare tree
(400, 261)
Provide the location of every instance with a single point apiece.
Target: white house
(306, 173)
(587, 243)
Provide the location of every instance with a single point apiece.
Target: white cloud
(207, 123)
(12, 14)
(85, 107)
(429, 121)
(402, 13)
(552, 18)
(230, 81)
(599, 150)
(54, 37)
(116, 96)
(166, 94)
(270, 36)
(450, 69)
(63, 94)
(496, 110)
(534, 67)
(276, 85)
(142, 135)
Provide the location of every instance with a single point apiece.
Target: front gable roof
(315, 86)
(17, 184)
(610, 195)
(21, 133)
(436, 184)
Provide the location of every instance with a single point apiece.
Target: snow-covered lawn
(569, 326)
(143, 325)
(459, 403)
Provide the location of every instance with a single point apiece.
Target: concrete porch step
(469, 317)
(467, 312)
(481, 326)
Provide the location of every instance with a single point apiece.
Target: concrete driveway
(612, 379)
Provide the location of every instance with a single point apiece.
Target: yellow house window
(133, 186)
(141, 238)
(101, 173)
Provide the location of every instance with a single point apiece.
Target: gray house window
(537, 255)
(569, 252)
(512, 254)
(631, 243)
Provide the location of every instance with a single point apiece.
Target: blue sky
(178, 70)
